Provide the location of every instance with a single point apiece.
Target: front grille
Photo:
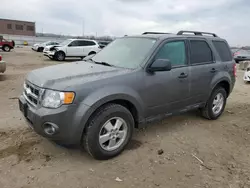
(32, 93)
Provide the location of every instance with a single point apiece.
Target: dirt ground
(182, 151)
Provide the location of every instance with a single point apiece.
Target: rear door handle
(183, 75)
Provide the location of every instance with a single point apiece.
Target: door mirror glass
(160, 65)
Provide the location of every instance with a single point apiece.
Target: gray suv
(135, 80)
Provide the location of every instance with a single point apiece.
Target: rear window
(200, 52)
(223, 50)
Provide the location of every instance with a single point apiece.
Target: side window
(223, 50)
(86, 43)
(174, 51)
(74, 43)
(200, 52)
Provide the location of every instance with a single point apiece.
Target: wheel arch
(92, 52)
(224, 83)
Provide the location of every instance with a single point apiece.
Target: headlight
(55, 99)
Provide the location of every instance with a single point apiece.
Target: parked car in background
(40, 47)
(103, 44)
(72, 48)
(6, 45)
(133, 81)
(241, 55)
(2, 65)
(246, 77)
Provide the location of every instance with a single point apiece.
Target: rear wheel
(108, 131)
(6, 48)
(215, 104)
(60, 56)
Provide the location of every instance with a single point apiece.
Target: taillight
(0, 58)
(235, 69)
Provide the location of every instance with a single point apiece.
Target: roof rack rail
(197, 33)
(146, 33)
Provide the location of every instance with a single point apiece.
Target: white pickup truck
(2, 65)
(72, 48)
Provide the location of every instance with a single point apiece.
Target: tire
(40, 49)
(60, 56)
(92, 53)
(6, 48)
(207, 111)
(13, 43)
(91, 137)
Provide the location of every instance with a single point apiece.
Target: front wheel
(40, 49)
(108, 131)
(6, 48)
(215, 104)
(59, 56)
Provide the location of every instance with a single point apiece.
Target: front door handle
(183, 75)
(213, 70)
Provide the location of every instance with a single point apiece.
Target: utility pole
(83, 28)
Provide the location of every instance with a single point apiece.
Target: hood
(50, 46)
(63, 76)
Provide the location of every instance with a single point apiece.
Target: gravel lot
(182, 151)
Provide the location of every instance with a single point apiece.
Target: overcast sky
(228, 18)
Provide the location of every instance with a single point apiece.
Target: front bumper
(49, 53)
(34, 48)
(68, 122)
(247, 76)
(2, 66)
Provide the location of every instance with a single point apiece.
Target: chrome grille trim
(32, 93)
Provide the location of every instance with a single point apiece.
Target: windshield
(125, 52)
(66, 42)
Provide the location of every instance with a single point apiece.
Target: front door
(168, 92)
(74, 49)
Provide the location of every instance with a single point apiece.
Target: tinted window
(86, 43)
(9, 26)
(74, 43)
(30, 28)
(200, 52)
(174, 51)
(19, 27)
(223, 50)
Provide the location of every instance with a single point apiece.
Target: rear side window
(223, 50)
(174, 51)
(87, 43)
(200, 52)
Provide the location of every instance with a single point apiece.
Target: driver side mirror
(160, 65)
(69, 45)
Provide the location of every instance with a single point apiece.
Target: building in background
(16, 27)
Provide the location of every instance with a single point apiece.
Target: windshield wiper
(101, 63)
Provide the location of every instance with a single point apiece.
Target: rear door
(87, 47)
(203, 69)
